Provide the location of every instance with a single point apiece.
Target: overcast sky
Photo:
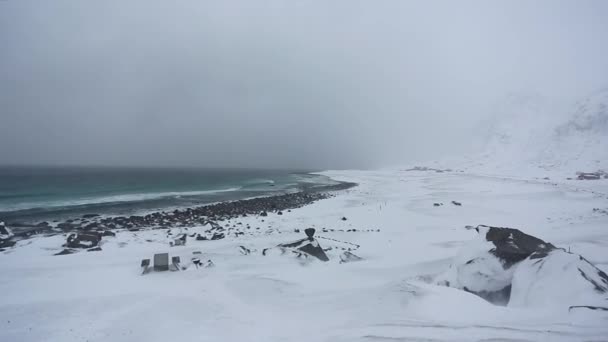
(289, 84)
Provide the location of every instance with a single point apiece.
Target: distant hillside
(529, 132)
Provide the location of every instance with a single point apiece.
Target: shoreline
(186, 217)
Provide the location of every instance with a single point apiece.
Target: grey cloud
(277, 84)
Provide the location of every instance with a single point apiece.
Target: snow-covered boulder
(83, 240)
(477, 270)
(508, 267)
(308, 246)
(556, 279)
(482, 274)
(5, 236)
(5, 232)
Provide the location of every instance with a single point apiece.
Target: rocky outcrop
(66, 252)
(306, 247)
(83, 240)
(5, 232)
(6, 236)
(512, 245)
(509, 267)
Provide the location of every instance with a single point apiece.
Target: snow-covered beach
(303, 171)
(405, 241)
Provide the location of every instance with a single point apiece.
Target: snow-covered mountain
(530, 132)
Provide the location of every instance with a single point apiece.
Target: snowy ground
(101, 296)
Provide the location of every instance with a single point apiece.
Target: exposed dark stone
(83, 240)
(199, 237)
(601, 308)
(313, 248)
(6, 243)
(91, 226)
(308, 245)
(218, 236)
(310, 232)
(349, 257)
(109, 233)
(90, 215)
(437, 204)
(263, 214)
(344, 218)
(66, 252)
(458, 204)
(513, 246)
(96, 249)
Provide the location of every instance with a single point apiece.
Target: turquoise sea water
(45, 193)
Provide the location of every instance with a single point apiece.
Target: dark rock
(5, 235)
(310, 232)
(91, 226)
(6, 243)
(309, 246)
(66, 226)
(279, 213)
(513, 246)
(83, 240)
(458, 204)
(344, 219)
(244, 250)
(263, 214)
(66, 252)
(90, 215)
(349, 257)
(218, 236)
(108, 233)
(313, 248)
(437, 204)
(199, 237)
(96, 249)
(600, 308)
